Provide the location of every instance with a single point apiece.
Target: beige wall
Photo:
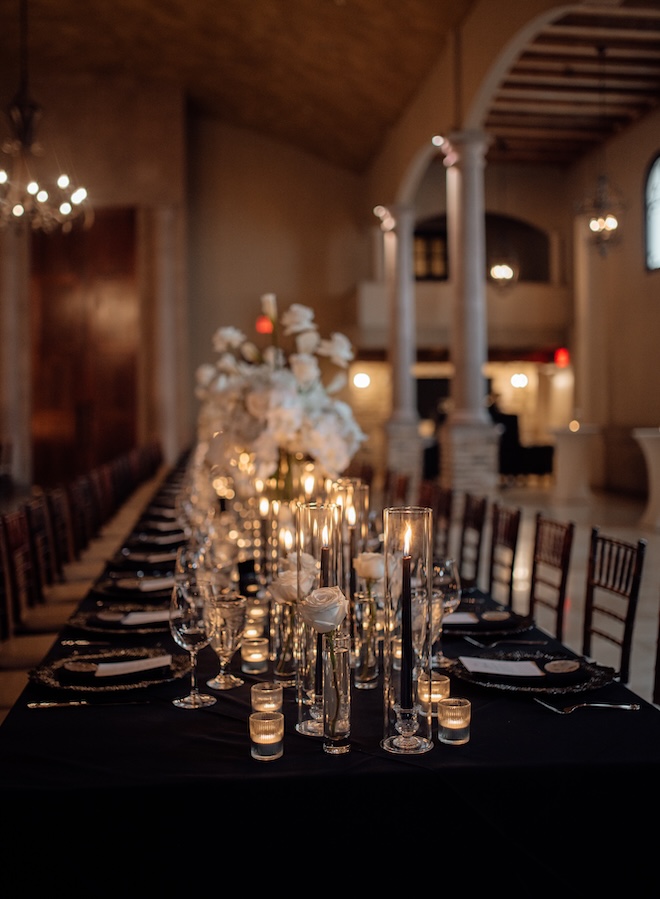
(265, 218)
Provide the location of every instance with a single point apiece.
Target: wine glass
(192, 626)
(446, 598)
(229, 610)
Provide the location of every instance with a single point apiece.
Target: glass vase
(365, 641)
(407, 635)
(336, 693)
(283, 646)
(319, 563)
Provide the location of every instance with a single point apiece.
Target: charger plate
(587, 676)
(116, 588)
(108, 620)
(489, 624)
(53, 674)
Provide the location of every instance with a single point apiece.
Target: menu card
(115, 669)
(524, 668)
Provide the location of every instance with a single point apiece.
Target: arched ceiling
(333, 76)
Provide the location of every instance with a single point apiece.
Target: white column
(467, 260)
(468, 440)
(404, 449)
(403, 329)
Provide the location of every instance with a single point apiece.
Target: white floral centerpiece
(275, 406)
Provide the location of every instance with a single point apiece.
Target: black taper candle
(406, 637)
(352, 553)
(325, 578)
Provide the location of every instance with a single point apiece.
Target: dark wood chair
(551, 557)
(614, 574)
(55, 584)
(63, 535)
(30, 612)
(395, 490)
(471, 540)
(441, 500)
(505, 528)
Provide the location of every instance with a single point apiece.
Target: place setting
(123, 619)
(486, 622)
(158, 587)
(111, 670)
(530, 671)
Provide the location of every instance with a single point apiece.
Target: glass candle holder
(319, 564)
(432, 692)
(254, 655)
(408, 595)
(454, 718)
(266, 735)
(266, 697)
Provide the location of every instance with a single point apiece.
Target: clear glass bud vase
(365, 641)
(336, 693)
(319, 559)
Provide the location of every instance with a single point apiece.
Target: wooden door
(85, 340)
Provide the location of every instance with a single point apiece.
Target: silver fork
(497, 642)
(626, 706)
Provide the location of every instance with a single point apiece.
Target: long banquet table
(533, 797)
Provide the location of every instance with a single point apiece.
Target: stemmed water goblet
(229, 610)
(192, 626)
(446, 598)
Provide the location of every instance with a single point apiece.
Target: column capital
(472, 142)
(395, 216)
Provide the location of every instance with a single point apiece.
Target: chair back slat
(614, 574)
(473, 523)
(505, 528)
(551, 556)
(441, 501)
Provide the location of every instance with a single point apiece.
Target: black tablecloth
(532, 795)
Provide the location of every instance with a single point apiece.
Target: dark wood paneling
(85, 339)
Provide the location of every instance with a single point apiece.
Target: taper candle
(406, 626)
(324, 582)
(351, 516)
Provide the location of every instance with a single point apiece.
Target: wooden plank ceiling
(333, 76)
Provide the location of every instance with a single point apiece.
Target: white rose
(269, 306)
(228, 338)
(298, 318)
(285, 587)
(338, 349)
(305, 368)
(370, 566)
(324, 609)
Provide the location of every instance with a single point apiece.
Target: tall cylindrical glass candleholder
(319, 564)
(407, 637)
(336, 693)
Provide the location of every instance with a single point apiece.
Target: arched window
(652, 206)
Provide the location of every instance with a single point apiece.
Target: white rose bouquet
(276, 407)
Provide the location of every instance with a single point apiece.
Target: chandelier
(23, 198)
(605, 206)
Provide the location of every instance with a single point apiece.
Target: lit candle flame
(286, 538)
(310, 481)
(263, 506)
(407, 540)
(351, 516)
(325, 538)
